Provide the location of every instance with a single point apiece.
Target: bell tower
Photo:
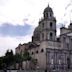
(48, 25)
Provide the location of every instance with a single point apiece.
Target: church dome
(36, 31)
(48, 9)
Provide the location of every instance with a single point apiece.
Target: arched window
(51, 35)
(51, 24)
(46, 14)
(42, 25)
(50, 14)
(68, 63)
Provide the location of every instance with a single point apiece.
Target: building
(50, 52)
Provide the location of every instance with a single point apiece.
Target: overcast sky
(18, 18)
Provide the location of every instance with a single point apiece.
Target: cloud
(18, 18)
(15, 30)
(16, 11)
(12, 42)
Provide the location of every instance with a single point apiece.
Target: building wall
(36, 53)
(46, 50)
(21, 48)
(58, 59)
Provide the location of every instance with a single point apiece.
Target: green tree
(18, 59)
(9, 58)
(1, 63)
(26, 56)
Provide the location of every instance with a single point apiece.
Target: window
(37, 51)
(44, 15)
(51, 61)
(51, 35)
(51, 24)
(59, 61)
(42, 25)
(42, 50)
(68, 63)
(50, 14)
(67, 45)
(32, 53)
(47, 14)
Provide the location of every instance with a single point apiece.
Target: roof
(48, 9)
(33, 45)
(69, 34)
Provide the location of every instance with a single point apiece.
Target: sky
(18, 19)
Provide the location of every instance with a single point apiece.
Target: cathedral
(52, 53)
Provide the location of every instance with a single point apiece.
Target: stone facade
(50, 51)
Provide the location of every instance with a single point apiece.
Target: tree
(18, 59)
(1, 63)
(5, 61)
(26, 56)
(9, 58)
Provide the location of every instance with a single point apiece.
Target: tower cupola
(48, 12)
